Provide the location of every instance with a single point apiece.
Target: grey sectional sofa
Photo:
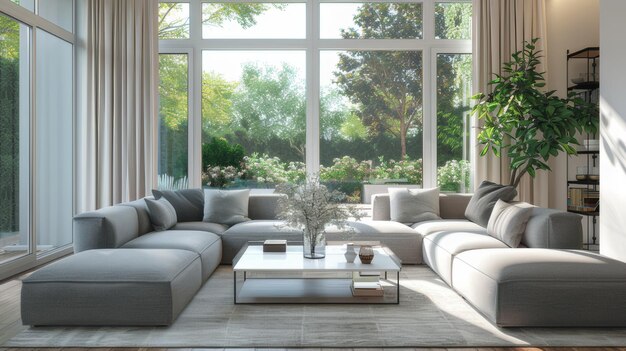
(124, 273)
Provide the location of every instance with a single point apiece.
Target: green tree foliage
(219, 152)
(173, 24)
(525, 122)
(453, 20)
(385, 85)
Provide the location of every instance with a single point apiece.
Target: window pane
(173, 120)
(14, 138)
(454, 86)
(253, 20)
(253, 117)
(453, 20)
(370, 21)
(59, 12)
(371, 119)
(173, 20)
(54, 120)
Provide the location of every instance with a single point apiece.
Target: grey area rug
(429, 314)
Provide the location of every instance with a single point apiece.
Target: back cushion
(106, 228)
(188, 203)
(263, 206)
(143, 218)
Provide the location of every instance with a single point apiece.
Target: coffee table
(288, 277)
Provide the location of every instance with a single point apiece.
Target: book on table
(365, 276)
(367, 289)
(275, 245)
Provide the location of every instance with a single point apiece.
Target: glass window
(173, 120)
(453, 20)
(27, 4)
(59, 12)
(370, 118)
(253, 106)
(54, 135)
(14, 138)
(454, 87)
(371, 20)
(173, 20)
(253, 20)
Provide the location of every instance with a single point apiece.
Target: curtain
(121, 92)
(503, 26)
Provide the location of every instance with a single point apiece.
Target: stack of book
(583, 200)
(366, 284)
(275, 246)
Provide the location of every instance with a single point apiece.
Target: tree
(174, 24)
(386, 86)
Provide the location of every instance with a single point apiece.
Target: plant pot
(350, 254)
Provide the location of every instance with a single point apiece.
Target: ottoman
(543, 287)
(130, 287)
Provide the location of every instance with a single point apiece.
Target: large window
(361, 92)
(36, 132)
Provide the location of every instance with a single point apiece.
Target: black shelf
(585, 86)
(587, 152)
(584, 182)
(585, 213)
(586, 53)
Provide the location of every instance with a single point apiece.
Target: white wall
(613, 128)
(573, 25)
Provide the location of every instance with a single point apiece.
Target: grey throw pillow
(188, 203)
(226, 206)
(162, 214)
(508, 222)
(413, 205)
(481, 204)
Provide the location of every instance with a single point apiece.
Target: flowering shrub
(220, 177)
(453, 174)
(405, 169)
(265, 169)
(345, 169)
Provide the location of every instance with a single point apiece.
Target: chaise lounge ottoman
(112, 287)
(543, 287)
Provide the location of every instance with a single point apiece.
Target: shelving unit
(583, 195)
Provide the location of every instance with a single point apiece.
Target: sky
(271, 25)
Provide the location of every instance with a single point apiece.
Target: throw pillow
(226, 206)
(508, 222)
(413, 205)
(481, 204)
(188, 203)
(162, 214)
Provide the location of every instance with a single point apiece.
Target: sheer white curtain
(503, 26)
(121, 51)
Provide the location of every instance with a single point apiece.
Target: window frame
(313, 45)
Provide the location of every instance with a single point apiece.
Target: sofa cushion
(239, 234)
(401, 239)
(216, 228)
(263, 206)
(480, 206)
(413, 205)
(188, 203)
(145, 226)
(201, 243)
(226, 206)
(450, 225)
(440, 248)
(112, 287)
(543, 287)
(508, 222)
(162, 214)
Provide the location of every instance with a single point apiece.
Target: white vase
(350, 253)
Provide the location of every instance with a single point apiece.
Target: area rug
(430, 314)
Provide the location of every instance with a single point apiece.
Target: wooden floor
(343, 349)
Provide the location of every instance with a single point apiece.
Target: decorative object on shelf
(311, 207)
(526, 123)
(366, 254)
(350, 253)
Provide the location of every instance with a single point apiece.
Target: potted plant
(311, 207)
(525, 122)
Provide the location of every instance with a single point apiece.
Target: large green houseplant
(527, 123)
